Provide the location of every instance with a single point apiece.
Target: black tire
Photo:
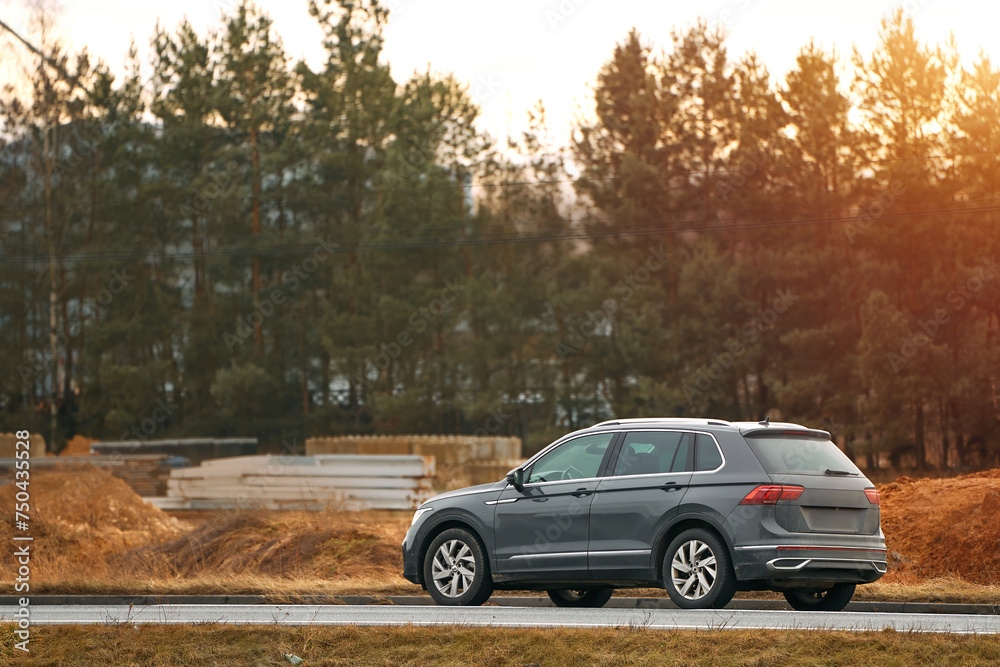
(832, 599)
(721, 584)
(589, 597)
(459, 590)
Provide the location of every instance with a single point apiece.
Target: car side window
(707, 455)
(654, 452)
(577, 459)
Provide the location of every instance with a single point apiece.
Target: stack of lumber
(194, 450)
(461, 459)
(147, 474)
(302, 483)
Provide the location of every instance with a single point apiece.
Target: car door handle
(671, 486)
(582, 492)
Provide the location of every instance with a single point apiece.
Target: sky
(515, 52)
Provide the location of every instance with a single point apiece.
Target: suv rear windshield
(800, 455)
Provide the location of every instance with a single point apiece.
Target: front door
(543, 530)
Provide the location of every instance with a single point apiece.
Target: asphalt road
(539, 617)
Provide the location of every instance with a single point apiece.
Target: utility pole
(49, 228)
(53, 264)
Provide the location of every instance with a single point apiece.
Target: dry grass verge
(157, 646)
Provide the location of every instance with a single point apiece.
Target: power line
(664, 177)
(31, 47)
(520, 227)
(303, 249)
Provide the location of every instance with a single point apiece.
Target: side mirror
(516, 478)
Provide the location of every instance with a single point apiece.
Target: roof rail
(668, 420)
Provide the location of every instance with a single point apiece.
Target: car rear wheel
(456, 570)
(588, 597)
(697, 571)
(832, 599)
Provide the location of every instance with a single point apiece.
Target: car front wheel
(456, 571)
(832, 599)
(697, 571)
(588, 597)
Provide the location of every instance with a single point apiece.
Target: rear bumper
(794, 563)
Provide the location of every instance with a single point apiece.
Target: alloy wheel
(453, 568)
(693, 569)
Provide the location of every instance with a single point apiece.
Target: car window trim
(694, 447)
(624, 436)
(566, 438)
(560, 481)
(611, 454)
(694, 453)
(616, 437)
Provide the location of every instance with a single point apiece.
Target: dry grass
(158, 646)
(78, 521)
(93, 534)
(910, 588)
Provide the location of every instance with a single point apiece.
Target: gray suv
(701, 507)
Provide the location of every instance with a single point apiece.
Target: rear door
(638, 496)
(834, 499)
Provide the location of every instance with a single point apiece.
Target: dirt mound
(78, 446)
(77, 519)
(944, 527)
(293, 544)
(91, 527)
(90, 501)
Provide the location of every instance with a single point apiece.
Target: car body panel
(466, 507)
(545, 529)
(625, 518)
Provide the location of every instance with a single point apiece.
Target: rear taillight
(769, 494)
(874, 497)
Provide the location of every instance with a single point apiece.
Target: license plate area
(834, 519)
